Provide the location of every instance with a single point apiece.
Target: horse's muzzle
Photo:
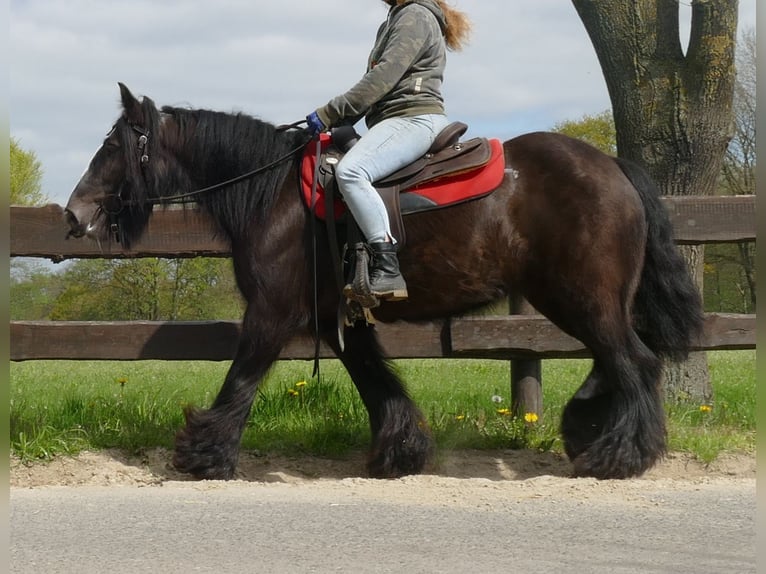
(75, 228)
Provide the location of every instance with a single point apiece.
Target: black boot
(386, 282)
(376, 275)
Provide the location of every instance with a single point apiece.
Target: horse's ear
(131, 105)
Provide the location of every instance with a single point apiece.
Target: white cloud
(529, 65)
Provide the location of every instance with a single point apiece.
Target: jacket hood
(433, 7)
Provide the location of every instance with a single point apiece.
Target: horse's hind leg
(401, 443)
(614, 426)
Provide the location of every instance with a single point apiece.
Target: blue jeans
(386, 147)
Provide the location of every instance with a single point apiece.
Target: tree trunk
(672, 111)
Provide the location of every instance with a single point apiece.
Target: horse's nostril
(75, 229)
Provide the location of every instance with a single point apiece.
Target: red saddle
(454, 182)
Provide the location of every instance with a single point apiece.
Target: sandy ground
(153, 468)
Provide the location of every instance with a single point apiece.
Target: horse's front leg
(401, 441)
(208, 446)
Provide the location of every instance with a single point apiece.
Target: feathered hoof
(609, 459)
(400, 455)
(201, 466)
(199, 453)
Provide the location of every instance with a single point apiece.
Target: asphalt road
(359, 527)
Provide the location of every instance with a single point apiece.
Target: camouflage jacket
(404, 71)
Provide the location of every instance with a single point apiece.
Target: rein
(114, 204)
(183, 197)
(143, 142)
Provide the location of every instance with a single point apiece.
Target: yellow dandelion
(459, 417)
(293, 393)
(705, 408)
(504, 412)
(121, 381)
(531, 417)
(300, 384)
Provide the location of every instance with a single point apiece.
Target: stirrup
(359, 288)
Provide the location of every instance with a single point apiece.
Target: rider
(401, 100)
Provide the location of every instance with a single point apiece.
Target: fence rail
(523, 339)
(41, 231)
(489, 337)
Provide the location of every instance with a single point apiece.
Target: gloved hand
(315, 124)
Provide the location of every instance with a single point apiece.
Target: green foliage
(740, 159)
(598, 130)
(33, 290)
(60, 407)
(26, 177)
(203, 288)
(733, 281)
(728, 424)
(131, 289)
(148, 289)
(727, 287)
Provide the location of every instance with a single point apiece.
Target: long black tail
(668, 308)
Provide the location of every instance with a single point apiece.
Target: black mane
(198, 148)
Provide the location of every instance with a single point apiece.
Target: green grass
(62, 407)
(728, 423)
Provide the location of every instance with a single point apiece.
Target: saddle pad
(434, 194)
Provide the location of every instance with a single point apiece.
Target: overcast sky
(530, 65)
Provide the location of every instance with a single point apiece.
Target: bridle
(113, 204)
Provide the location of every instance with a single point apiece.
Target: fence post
(526, 374)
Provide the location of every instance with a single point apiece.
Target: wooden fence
(522, 339)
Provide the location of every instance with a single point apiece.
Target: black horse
(581, 235)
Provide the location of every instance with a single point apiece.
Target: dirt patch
(154, 468)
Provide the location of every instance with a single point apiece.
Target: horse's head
(112, 198)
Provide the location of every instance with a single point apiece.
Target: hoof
(201, 453)
(613, 457)
(401, 454)
(202, 467)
